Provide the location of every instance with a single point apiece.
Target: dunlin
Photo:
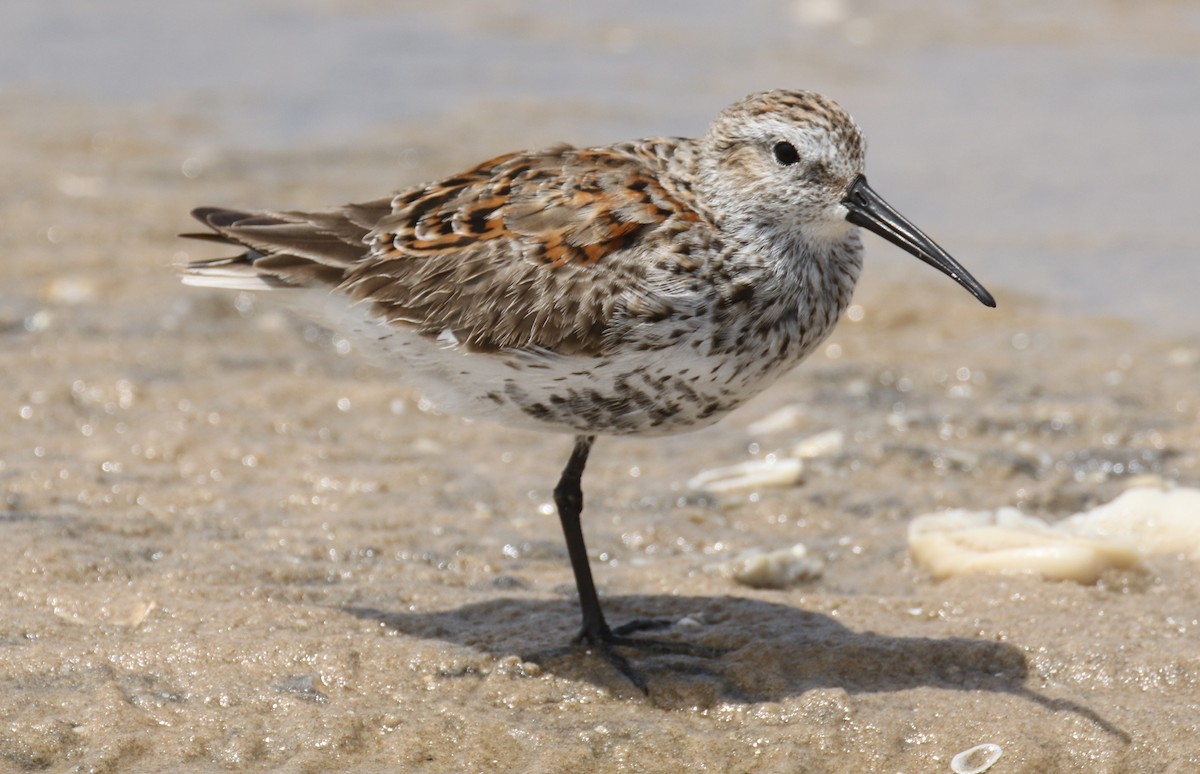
(642, 288)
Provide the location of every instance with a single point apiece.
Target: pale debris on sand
(773, 569)
(1141, 522)
(774, 470)
(779, 421)
(826, 444)
(1156, 520)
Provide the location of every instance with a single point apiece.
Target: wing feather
(503, 255)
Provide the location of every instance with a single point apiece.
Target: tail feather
(283, 249)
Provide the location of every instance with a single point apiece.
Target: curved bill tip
(869, 210)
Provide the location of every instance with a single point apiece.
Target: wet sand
(230, 544)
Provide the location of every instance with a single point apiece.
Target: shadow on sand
(772, 651)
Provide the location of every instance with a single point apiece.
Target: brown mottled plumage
(645, 287)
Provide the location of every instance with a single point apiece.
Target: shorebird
(642, 288)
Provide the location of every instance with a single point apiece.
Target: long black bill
(869, 210)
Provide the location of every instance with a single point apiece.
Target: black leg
(568, 496)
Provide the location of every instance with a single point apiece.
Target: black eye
(786, 153)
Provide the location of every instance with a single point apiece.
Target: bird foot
(604, 641)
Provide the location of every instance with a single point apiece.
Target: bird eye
(786, 153)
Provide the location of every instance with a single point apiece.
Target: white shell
(977, 760)
(751, 474)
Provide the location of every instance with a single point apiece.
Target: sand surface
(229, 544)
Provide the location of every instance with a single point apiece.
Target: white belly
(648, 392)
